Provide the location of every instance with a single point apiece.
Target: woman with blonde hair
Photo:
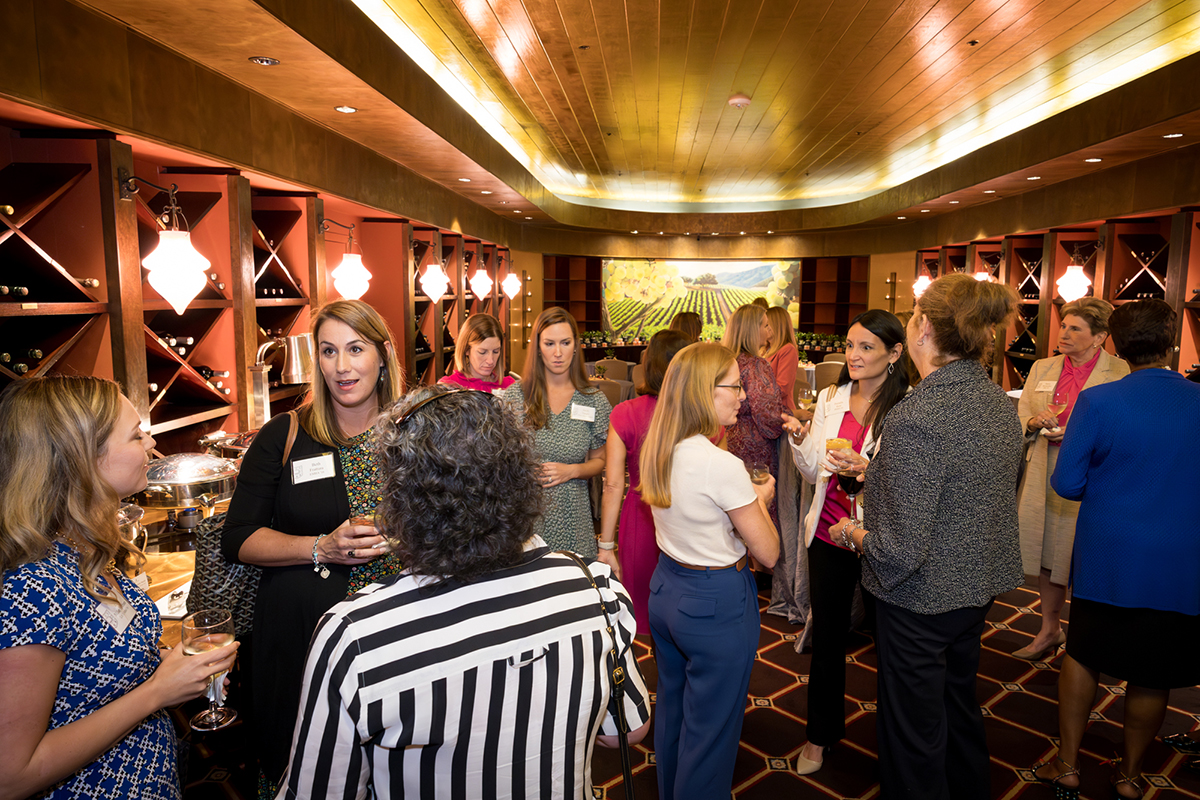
(569, 418)
(305, 495)
(754, 437)
(84, 684)
(1047, 520)
(479, 356)
(703, 606)
(779, 349)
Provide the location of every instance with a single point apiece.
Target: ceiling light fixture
(901, 217)
(529, 218)
(1172, 135)
(351, 279)
(176, 268)
(633, 231)
(264, 61)
(485, 191)
(989, 191)
(714, 233)
(1093, 160)
(770, 231)
(1034, 178)
(954, 202)
(346, 109)
(743, 233)
(464, 180)
(924, 210)
(739, 100)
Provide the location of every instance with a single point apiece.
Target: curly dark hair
(1143, 331)
(459, 479)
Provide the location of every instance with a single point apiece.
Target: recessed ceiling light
(516, 211)
(989, 191)
(464, 180)
(346, 109)
(503, 202)
(924, 210)
(660, 233)
(770, 231)
(1093, 160)
(485, 191)
(1034, 178)
(633, 231)
(1172, 135)
(743, 233)
(264, 61)
(529, 218)
(901, 217)
(714, 233)
(954, 202)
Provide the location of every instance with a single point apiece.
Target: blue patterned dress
(45, 603)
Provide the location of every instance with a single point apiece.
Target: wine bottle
(4, 290)
(153, 387)
(208, 373)
(20, 291)
(167, 339)
(5, 358)
(181, 350)
(90, 283)
(34, 354)
(20, 369)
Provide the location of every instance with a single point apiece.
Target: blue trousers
(706, 628)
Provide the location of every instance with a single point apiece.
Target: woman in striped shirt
(480, 671)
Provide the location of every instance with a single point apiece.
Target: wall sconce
(434, 282)
(1075, 283)
(351, 279)
(511, 285)
(176, 268)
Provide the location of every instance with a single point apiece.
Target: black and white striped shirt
(491, 689)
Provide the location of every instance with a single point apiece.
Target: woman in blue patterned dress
(569, 417)
(83, 684)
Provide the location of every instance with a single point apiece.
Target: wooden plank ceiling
(626, 101)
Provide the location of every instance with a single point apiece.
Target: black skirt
(1142, 646)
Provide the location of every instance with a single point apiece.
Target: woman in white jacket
(874, 379)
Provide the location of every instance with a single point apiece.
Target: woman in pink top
(626, 432)
(780, 352)
(479, 356)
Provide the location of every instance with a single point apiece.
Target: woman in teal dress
(570, 421)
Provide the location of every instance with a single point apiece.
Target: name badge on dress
(1046, 386)
(118, 616)
(585, 413)
(313, 469)
(838, 406)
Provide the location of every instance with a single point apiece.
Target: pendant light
(177, 270)
(1074, 283)
(351, 279)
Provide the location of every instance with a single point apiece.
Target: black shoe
(1184, 743)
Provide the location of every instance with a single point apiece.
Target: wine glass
(203, 631)
(759, 472)
(806, 398)
(1057, 405)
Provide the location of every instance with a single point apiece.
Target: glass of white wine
(1057, 405)
(204, 631)
(806, 398)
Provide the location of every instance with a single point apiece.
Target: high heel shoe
(806, 766)
(1029, 654)
(1120, 777)
(1061, 792)
(1184, 743)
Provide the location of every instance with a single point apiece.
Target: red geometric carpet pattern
(1018, 699)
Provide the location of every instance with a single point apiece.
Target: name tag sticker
(118, 617)
(839, 406)
(1046, 386)
(585, 413)
(312, 469)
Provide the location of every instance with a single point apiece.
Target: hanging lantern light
(481, 283)
(511, 285)
(351, 278)
(177, 269)
(1075, 283)
(434, 282)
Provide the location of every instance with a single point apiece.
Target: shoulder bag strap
(618, 680)
(293, 425)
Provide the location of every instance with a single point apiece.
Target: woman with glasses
(703, 602)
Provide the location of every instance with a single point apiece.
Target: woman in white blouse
(873, 380)
(703, 602)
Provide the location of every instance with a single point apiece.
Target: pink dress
(639, 549)
(467, 382)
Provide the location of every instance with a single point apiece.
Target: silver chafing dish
(228, 445)
(188, 481)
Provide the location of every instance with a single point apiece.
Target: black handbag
(617, 673)
(219, 583)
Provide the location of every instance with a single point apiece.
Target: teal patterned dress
(360, 470)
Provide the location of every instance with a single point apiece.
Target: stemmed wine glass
(203, 631)
(806, 398)
(1057, 405)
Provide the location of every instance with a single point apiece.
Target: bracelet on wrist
(603, 545)
(318, 567)
(847, 538)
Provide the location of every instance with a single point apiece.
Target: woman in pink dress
(479, 356)
(626, 431)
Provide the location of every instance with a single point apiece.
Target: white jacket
(809, 456)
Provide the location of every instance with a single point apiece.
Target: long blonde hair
(741, 331)
(685, 408)
(477, 328)
(781, 326)
(533, 381)
(317, 414)
(53, 433)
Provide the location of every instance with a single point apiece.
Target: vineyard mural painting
(642, 296)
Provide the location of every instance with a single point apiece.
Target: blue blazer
(1129, 458)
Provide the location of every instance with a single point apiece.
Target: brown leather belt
(739, 565)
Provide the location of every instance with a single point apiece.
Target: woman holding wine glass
(851, 413)
(83, 684)
(306, 486)
(479, 356)
(1047, 398)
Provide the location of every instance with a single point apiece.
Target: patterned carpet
(1018, 699)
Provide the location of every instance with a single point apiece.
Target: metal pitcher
(297, 359)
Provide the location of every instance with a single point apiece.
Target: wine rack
(1141, 267)
(280, 301)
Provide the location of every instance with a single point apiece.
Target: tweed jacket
(940, 499)
(1031, 495)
